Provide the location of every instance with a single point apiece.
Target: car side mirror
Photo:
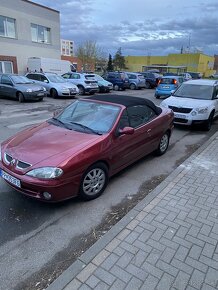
(126, 131)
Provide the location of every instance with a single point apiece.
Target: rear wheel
(163, 145)
(132, 86)
(20, 97)
(157, 96)
(208, 123)
(54, 93)
(147, 85)
(94, 181)
(81, 90)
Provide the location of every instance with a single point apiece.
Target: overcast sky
(140, 27)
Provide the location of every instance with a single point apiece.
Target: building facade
(193, 62)
(27, 30)
(67, 47)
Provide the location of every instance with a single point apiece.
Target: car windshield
(21, 80)
(202, 92)
(89, 117)
(56, 79)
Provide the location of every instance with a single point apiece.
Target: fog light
(47, 195)
(194, 113)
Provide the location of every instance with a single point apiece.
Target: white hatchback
(194, 102)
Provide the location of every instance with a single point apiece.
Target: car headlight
(45, 172)
(29, 90)
(202, 110)
(44, 89)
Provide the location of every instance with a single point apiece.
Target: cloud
(156, 29)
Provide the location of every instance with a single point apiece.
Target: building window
(7, 27)
(40, 33)
(6, 67)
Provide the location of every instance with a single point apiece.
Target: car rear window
(168, 81)
(90, 77)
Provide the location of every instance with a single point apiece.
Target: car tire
(94, 181)
(92, 93)
(20, 97)
(81, 90)
(54, 93)
(41, 99)
(147, 85)
(208, 123)
(132, 86)
(157, 96)
(116, 87)
(163, 145)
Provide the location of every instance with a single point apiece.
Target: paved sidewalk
(168, 241)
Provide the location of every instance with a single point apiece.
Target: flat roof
(39, 5)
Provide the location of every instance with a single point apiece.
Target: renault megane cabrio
(79, 149)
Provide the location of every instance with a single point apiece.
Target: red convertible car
(79, 149)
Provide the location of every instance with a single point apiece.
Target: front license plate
(40, 94)
(10, 178)
(179, 116)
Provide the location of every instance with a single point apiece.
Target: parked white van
(42, 64)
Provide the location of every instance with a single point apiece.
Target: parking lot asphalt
(168, 241)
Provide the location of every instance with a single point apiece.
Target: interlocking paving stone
(168, 241)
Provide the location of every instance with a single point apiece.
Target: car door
(7, 87)
(216, 100)
(129, 148)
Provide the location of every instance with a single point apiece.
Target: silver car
(20, 88)
(85, 82)
(136, 81)
(55, 85)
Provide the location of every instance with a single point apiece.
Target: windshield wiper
(86, 128)
(62, 123)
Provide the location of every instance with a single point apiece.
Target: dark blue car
(119, 80)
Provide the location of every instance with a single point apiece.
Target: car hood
(185, 102)
(33, 87)
(47, 141)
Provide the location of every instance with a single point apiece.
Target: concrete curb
(69, 274)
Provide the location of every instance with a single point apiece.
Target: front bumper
(34, 95)
(91, 89)
(60, 188)
(188, 119)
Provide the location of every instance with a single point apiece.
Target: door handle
(149, 131)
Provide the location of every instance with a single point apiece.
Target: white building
(67, 47)
(27, 30)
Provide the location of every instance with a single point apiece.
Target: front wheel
(116, 87)
(208, 123)
(94, 181)
(163, 145)
(54, 94)
(20, 97)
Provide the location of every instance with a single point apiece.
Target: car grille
(179, 120)
(19, 164)
(180, 110)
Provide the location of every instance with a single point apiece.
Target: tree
(119, 60)
(89, 54)
(110, 66)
